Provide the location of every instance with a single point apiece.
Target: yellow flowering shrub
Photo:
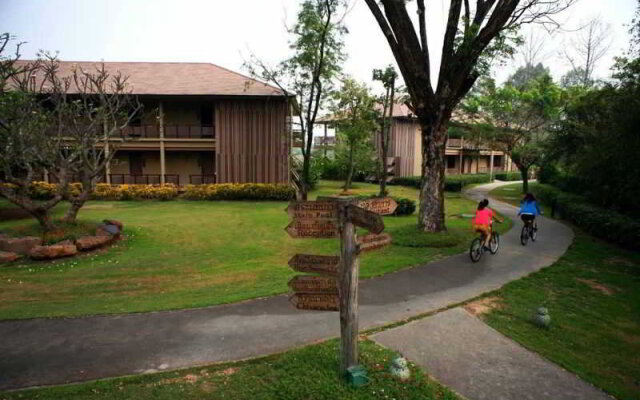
(240, 191)
(105, 191)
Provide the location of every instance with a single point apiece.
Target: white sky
(225, 32)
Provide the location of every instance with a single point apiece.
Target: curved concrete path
(55, 351)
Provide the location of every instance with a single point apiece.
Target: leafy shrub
(39, 190)
(240, 191)
(508, 176)
(410, 236)
(452, 183)
(600, 222)
(405, 206)
(105, 191)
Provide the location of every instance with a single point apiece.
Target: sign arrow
(312, 229)
(326, 265)
(365, 219)
(318, 210)
(314, 284)
(320, 302)
(378, 205)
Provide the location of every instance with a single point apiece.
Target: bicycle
(529, 231)
(477, 248)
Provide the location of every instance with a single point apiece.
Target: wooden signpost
(329, 218)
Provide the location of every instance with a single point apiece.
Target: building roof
(174, 78)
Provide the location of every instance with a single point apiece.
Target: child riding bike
(529, 208)
(483, 221)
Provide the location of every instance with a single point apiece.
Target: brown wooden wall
(252, 143)
(403, 146)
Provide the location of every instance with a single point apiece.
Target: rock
(20, 245)
(542, 318)
(64, 243)
(400, 369)
(113, 222)
(108, 230)
(53, 251)
(7, 257)
(92, 242)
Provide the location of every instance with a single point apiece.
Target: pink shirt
(483, 217)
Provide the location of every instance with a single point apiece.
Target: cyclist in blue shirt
(529, 208)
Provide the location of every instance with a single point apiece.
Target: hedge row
(105, 191)
(600, 222)
(508, 176)
(240, 191)
(452, 183)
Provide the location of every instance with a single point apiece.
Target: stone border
(12, 249)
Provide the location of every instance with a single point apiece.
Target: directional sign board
(315, 229)
(326, 265)
(378, 205)
(321, 302)
(317, 210)
(365, 219)
(314, 284)
(373, 241)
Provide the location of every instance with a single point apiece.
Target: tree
(575, 77)
(517, 120)
(356, 116)
(308, 74)
(26, 150)
(474, 36)
(388, 79)
(587, 48)
(90, 109)
(526, 74)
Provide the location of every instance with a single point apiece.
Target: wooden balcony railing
(152, 179)
(202, 179)
(171, 131)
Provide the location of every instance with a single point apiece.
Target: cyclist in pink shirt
(483, 220)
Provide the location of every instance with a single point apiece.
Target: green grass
(593, 297)
(307, 373)
(181, 254)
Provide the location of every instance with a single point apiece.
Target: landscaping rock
(93, 242)
(108, 230)
(7, 257)
(19, 245)
(113, 222)
(53, 251)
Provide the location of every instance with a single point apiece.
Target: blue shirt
(531, 208)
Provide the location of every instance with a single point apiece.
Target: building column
(325, 140)
(161, 134)
(491, 167)
(107, 166)
(461, 151)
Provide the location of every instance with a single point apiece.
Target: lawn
(182, 254)
(307, 373)
(593, 297)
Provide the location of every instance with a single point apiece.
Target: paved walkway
(461, 352)
(54, 351)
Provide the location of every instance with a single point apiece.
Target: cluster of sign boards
(322, 219)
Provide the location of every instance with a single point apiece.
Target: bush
(240, 191)
(508, 176)
(600, 222)
(452, 183)
(410, 236)
(39, 190)
(105, 191)
(405, 206)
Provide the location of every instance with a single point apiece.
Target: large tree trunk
(431, 216)
(77, 202)
(525, 179)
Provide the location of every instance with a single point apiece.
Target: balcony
(171, 131)
(202, 179)
(153, 179)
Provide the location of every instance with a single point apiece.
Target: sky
(226, 32)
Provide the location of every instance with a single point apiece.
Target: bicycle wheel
(494, 244)
(533, 233)
(524, 235)
(475, 251)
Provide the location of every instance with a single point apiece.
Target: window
(451, 162)
(207, 119)
(497, 161)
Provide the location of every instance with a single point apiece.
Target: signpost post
(337, 288)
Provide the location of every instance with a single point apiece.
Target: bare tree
(91, 109)
(308, 74)
(473, 37)
(586, 49)
(388, 79)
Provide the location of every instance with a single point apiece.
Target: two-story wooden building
(201, 123)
